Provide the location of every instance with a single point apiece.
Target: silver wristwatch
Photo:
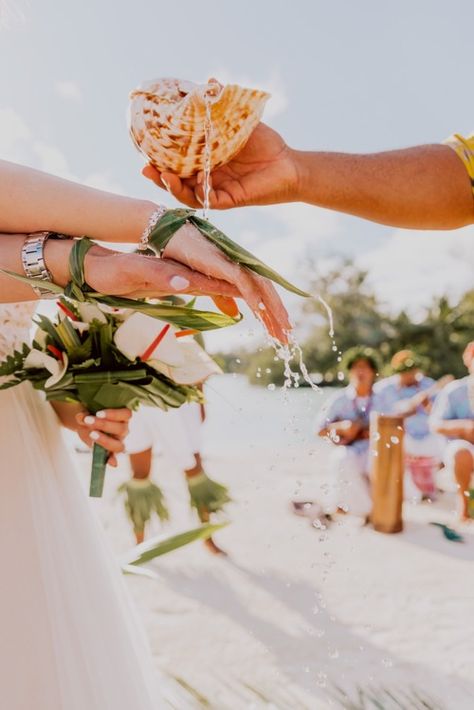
(32, 257)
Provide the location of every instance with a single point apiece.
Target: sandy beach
(297, 617)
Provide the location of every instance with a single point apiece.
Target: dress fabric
(70, 638)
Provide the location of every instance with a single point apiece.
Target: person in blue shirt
(410, 393)
(453, 417)
(344, 424)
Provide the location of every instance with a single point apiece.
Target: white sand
(293, 612)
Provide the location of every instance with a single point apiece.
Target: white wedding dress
(69, 637)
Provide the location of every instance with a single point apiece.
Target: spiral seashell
(169, 119)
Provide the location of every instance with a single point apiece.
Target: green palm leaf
(173, 220)
(143, 498)
(157, 546)
(207, 496)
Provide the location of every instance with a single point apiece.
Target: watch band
(156, 215)
(32, 257)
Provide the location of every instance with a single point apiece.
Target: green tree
(360, 319)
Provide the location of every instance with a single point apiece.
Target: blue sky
(345, 75)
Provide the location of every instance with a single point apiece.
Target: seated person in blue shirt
(344, 423)
(410, 393)
(453, 416)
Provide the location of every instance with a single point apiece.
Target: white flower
(183, 361)
(89, 312)
(36, 360)
(136, 335)
(41, 337)
(196, 368)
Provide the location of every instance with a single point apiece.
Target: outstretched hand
(188, 246)
(136, 276)
(191, 265)
(264, 172)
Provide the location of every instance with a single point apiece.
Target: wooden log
(387, 463)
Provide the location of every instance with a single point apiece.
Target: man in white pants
(344, 423)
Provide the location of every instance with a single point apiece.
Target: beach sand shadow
(321, 653)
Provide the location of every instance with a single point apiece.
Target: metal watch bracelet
(32, 257)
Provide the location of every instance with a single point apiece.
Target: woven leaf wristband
(173, 220)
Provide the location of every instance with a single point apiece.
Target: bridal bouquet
(108, 358)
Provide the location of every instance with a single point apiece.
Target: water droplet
(271, 387)
(321, 679)
(394, 439)
(340, 376)
(333, 653)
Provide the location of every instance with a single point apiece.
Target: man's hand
(189, 247)
(425, 187)
(344, 432)
(264, 172)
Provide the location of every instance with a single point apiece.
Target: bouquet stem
(100, 456)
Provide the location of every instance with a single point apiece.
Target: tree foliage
(360, 318)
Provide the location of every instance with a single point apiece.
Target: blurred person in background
(410, 393)
(453, 417)
(344, 423)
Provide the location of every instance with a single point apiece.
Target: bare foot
(213, 548)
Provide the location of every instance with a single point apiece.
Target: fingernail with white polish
(179, 283)
(94, 435)
(101, 414)
(89, 419)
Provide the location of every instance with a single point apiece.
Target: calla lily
(138, 333)
(41, 337)
(37, 360)
(196, 368)
(78, 325)
(90, 312)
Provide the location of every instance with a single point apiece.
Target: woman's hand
(263, 173)
(189, 247)
(191, 265)
(133, 275)
(137, 276)
(107, 428)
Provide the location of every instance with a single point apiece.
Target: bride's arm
(106, 271)
(31, 201)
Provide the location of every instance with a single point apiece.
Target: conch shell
(170, 118)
